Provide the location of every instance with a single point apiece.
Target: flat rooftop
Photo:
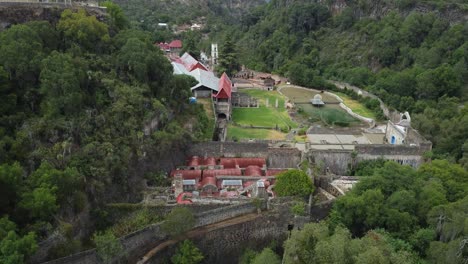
(342, 138)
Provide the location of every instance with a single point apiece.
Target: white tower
(214, 53)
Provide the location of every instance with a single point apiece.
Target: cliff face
(17, 13)
(379, 8)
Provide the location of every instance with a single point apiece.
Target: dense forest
(412, 54)
(90, 111)
(414, 61)
(395, 214)
(79, 104)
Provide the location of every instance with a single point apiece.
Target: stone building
(223, 98)
(338, 150)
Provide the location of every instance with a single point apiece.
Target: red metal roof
(224, 172)
(194, 161)
(182, 198)
(175, 44)
(228, 163)
(163, 46)
(241, 162)
(245, 162)
(208, 181)
(225, 87)
(210, 161)
(190, 63)
(253, 171)
(197, 65)
(188, 174)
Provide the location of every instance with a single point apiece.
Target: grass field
(264, 116)
(304, 95)
(207, 105)
(356, 106)
(239, 132)
(331, 114)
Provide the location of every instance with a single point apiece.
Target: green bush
(299, 208)
(293, 183)
(178, 221)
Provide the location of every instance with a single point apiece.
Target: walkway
(198, 232)
(343, 85)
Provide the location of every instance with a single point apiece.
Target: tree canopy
(186, 253)
(293, 183)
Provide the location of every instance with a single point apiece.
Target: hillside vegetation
(412, 54)
(88, 110)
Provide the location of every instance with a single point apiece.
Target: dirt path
(197, 232)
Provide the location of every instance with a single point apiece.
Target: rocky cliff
(17, 13)
(449, 10)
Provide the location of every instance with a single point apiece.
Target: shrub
(298, 208)
(186, 253)
(293, 183)
(178, 221)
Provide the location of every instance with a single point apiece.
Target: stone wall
(228, 149)
(220, 214)
(335, 161)
(226, 245)
(338, 161)
(392, 150)
(393, 135)
(138, 243)
(283, 157)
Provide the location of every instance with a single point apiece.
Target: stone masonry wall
(337, 161)
(138, 243)
(228, 149)
(283, 157)
(226, 245)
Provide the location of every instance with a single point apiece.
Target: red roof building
(253, 171)
(224, 172)
(164, 46)
(229, 163)
(188, 174)
(225, 87)
(194, 161)
(175, 44)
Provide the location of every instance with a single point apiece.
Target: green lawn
(264, 116)
(239, 132)
(262, 95)
(356, 106)
(304, 95)
(330, 114)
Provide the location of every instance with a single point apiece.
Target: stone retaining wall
(228, 149)
(338, 161)
(138, 243)
(283, 157)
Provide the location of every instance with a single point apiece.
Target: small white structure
(164, 25)
(195, 27)
(317, 101)
(214, 53)
(396, 133)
